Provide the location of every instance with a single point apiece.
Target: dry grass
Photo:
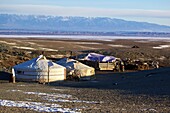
(143, 91)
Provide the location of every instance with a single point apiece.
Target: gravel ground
(144, 91)
(140, 91)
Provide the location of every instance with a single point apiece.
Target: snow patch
(37, 106)
(28, 48)
(46, 107)
(118, 46)
(73, 101)
(93, 43)
(49, 95)
(32, 43)
(104, 38)
(48, 49)
(162, 47)
(7, 43)
(65, 19)
(14, 90)
(57, 98)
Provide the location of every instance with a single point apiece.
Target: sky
(152, 11)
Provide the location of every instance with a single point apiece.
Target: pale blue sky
(154, 11)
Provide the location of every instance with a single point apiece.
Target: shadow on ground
(4, 76)
(150, 82)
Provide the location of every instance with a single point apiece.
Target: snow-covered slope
(32, 22)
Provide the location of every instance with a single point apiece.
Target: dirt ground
(144, 91)
(135, 91)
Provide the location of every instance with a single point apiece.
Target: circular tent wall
(39, 69)
(74, 65)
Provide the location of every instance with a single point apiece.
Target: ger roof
(71, 63)
(39, 63)
(97, 57)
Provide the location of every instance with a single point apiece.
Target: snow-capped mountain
(58, 23)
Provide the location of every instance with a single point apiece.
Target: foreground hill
(92, 24)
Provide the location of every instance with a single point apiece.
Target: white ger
(39, 69)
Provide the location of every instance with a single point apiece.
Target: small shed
(99, 61)
(39, 69)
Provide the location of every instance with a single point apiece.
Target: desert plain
(108, 92)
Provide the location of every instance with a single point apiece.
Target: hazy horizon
(151, 11)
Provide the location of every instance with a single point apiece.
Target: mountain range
(90, 24)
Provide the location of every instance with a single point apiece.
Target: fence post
(13, 76)
(48, 74)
